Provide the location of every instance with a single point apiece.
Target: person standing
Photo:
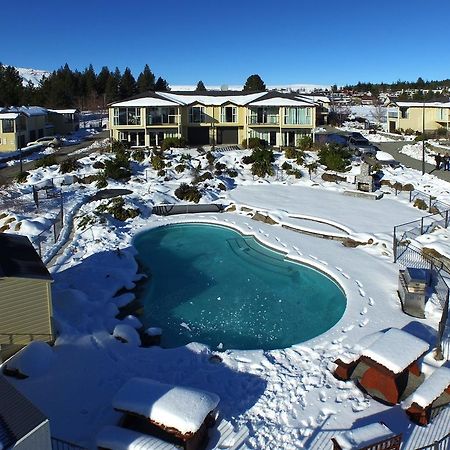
(446, 160)
(438, 159)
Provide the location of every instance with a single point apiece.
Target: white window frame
(201, 117)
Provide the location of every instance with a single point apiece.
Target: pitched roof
(18, 415)
(18, 258)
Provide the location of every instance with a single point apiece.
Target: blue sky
(291, 41)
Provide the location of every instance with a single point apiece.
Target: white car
(47, 141)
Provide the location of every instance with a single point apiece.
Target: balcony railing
(393, 115)
(272, 119)
(161, 120)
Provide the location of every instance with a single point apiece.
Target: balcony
(162, 119)
(267, 119)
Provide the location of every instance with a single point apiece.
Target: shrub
(173, 142)
(118, 146)
(334, 157)
(157, 162)
(210, 158)
(441, 132)
(69, 165)
(254, 142)
(407, 131)
(161, 173)
(286, 166)
(180, 168)
(205, 176)
(98, 165)
(332, 177)
(220, 166)
(305, 143)
(46, 161)
(188, 192)
(312, 168)
(408, 187)
(185, 157)
(295, 172)
(118, 168)
(232, 173)
(116, 207)
(421, 204)
(300, 157)
(22, 177)
(102, 181)
(222, 187)
(290, 153)
(247, 159)
(138, 155)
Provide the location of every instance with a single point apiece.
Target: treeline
(67, 88)
(421, 86)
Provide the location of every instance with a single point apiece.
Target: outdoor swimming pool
(212, 285)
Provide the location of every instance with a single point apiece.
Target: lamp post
(423, 138)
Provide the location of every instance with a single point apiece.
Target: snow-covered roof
(9, 115)
(364, 436)
(280, 101)
(212, 100)
(123, 439)
(64, 111)
(396, 350)
(30, 110)
(147, 101)
(423, 104)
(430, 389)
(182, 408)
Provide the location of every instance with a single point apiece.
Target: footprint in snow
(277, 239)
(261, 231)
(349, 328)
(323, 262)
(371, 301)
(323, 396)
(364, 323)
(363, 311)
(295, 248)
(338, 268)
(359, 283)
(313, 257)
(345, 275)
(283, 244)
(362, 292)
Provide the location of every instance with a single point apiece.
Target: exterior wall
(212, 120)
(38, 439)
(64, 123)
(415, 119)
(36, 126)
(26, 310)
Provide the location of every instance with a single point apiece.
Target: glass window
(127, 116)
(441, 114)
(8, 125)
(196, 114)
(229, 114)
(297, 116)
(157, 115)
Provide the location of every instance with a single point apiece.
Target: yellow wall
(415, 119)
(26, 308)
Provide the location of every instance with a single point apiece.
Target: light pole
(423, 138)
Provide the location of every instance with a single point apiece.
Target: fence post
(394, 245)
(421, 225)
(410, 196)
(446, 219)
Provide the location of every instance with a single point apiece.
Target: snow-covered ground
(288, 398)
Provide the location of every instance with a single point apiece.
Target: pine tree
(200, 86)
(112, 86)
(102, 80)
(11, 89)
(161, 85)
(127, 85)
(146, 80)
(254, 83)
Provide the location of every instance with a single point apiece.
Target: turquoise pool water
(210, 284)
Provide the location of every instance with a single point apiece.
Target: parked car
(47, 141)
(361, 146)
(332, 138)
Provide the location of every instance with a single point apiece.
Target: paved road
(394, 147)
(9, 173)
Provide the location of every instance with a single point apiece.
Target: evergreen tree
(102, 79)
(146, 80)
(11, 88)
(161, 85)
(127, 85)
(112, 86)
(200, 86)
(254, 83)
(89, 81)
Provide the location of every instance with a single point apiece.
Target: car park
(47, 141)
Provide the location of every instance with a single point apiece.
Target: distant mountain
(33, 75)
(304, 88)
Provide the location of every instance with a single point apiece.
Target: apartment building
(418, 116)
(212, 117)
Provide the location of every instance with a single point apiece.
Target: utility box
(413, 287)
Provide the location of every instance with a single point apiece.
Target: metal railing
(441, 444)
(272, 119)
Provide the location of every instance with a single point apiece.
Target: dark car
(332, 138)
(361, 146)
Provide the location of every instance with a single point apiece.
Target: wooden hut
(175, 414)
(386, 367)
(375, 436)
(429, 398)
